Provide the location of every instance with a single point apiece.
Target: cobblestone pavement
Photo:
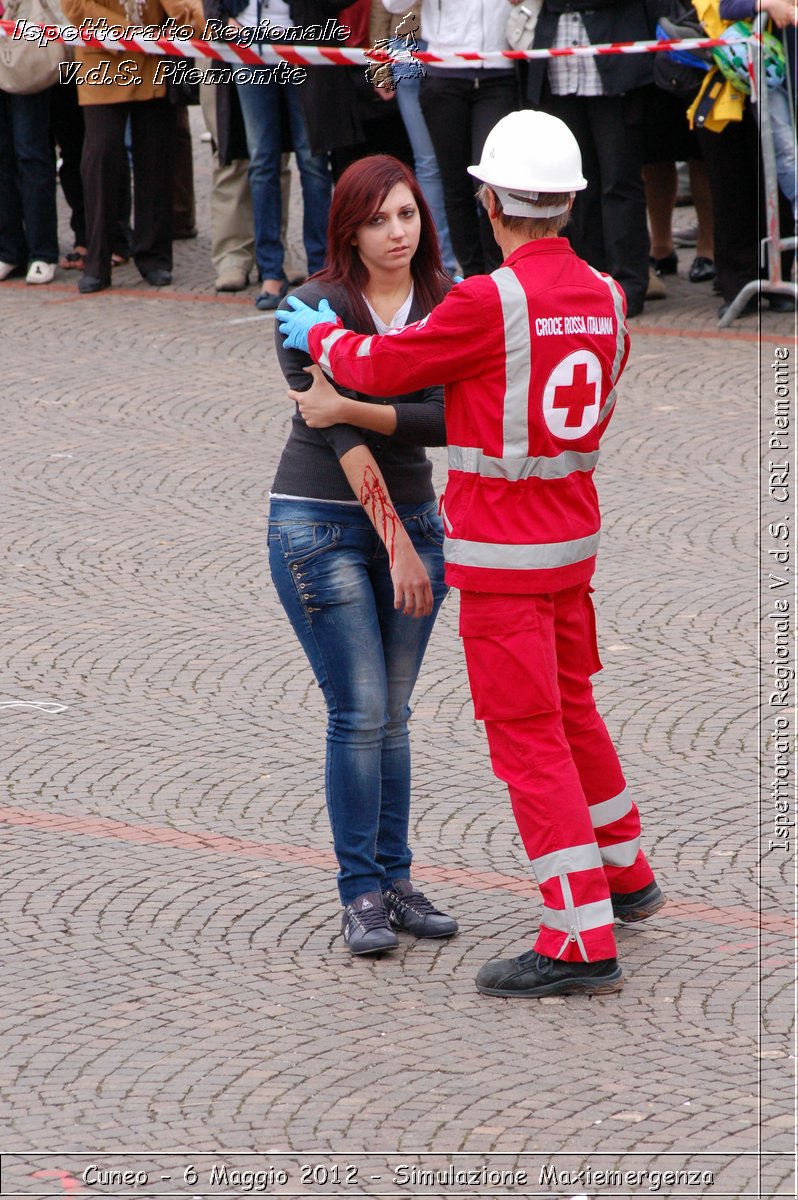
(173, 977)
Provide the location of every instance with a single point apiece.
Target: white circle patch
(572, 396)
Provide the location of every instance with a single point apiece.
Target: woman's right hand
(412, 590)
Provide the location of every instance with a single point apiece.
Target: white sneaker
(40, 272)
(7, 269)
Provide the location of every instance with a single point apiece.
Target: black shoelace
(372, 918)
(540, 962)
(418, 903)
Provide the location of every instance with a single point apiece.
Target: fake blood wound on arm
(380, 509)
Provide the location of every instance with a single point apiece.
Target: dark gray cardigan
(309, 465)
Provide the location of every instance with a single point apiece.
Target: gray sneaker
(534, 975)
(365, 927)
(637, 906)
(410, 910)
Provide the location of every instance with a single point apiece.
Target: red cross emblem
(575, 397)
(571, 398)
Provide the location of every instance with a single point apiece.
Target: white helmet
(525, 154)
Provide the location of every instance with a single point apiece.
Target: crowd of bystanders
(117, 135)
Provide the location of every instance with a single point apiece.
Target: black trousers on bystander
(460, 113)
(152, 126)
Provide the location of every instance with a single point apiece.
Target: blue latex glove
(295, 326)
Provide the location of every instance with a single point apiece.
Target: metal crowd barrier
(773, 244)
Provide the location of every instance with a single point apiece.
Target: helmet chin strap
(521, 204)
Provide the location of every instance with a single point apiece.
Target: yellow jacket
(728, 101)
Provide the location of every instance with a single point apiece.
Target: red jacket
(529, 357)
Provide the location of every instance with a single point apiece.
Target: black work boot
(410, 910)
(534, 974)
(365, 925)
(636, 906)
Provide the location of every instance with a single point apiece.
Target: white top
(461, 25)
(276, 12)
(399, 318)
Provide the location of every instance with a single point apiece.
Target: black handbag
(681, 72)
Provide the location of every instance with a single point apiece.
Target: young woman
(355, 545)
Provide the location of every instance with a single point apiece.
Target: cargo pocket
(510, 654)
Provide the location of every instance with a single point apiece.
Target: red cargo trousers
(530, 658)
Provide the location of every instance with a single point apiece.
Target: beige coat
(153, 12)
(382, 25)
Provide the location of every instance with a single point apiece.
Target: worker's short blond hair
(533, 227)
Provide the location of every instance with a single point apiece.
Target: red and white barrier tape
(314, 56)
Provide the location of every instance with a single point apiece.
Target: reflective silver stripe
(620, 326)
(607, 407)
(518, 355)
(611, 810)
(588, 916)
(500, 556)
(622, 854)
(570, 908)
(562, 862)
(474, 462)
(326, 346)
(364, 349)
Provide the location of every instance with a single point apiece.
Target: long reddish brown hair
(358, 195)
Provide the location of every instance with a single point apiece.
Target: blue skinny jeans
(28, 220)
(331, 574)
(408, 90)
(262, 107)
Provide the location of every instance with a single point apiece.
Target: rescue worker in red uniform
(530, 357)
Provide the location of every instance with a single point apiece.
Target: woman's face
(388, 240)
